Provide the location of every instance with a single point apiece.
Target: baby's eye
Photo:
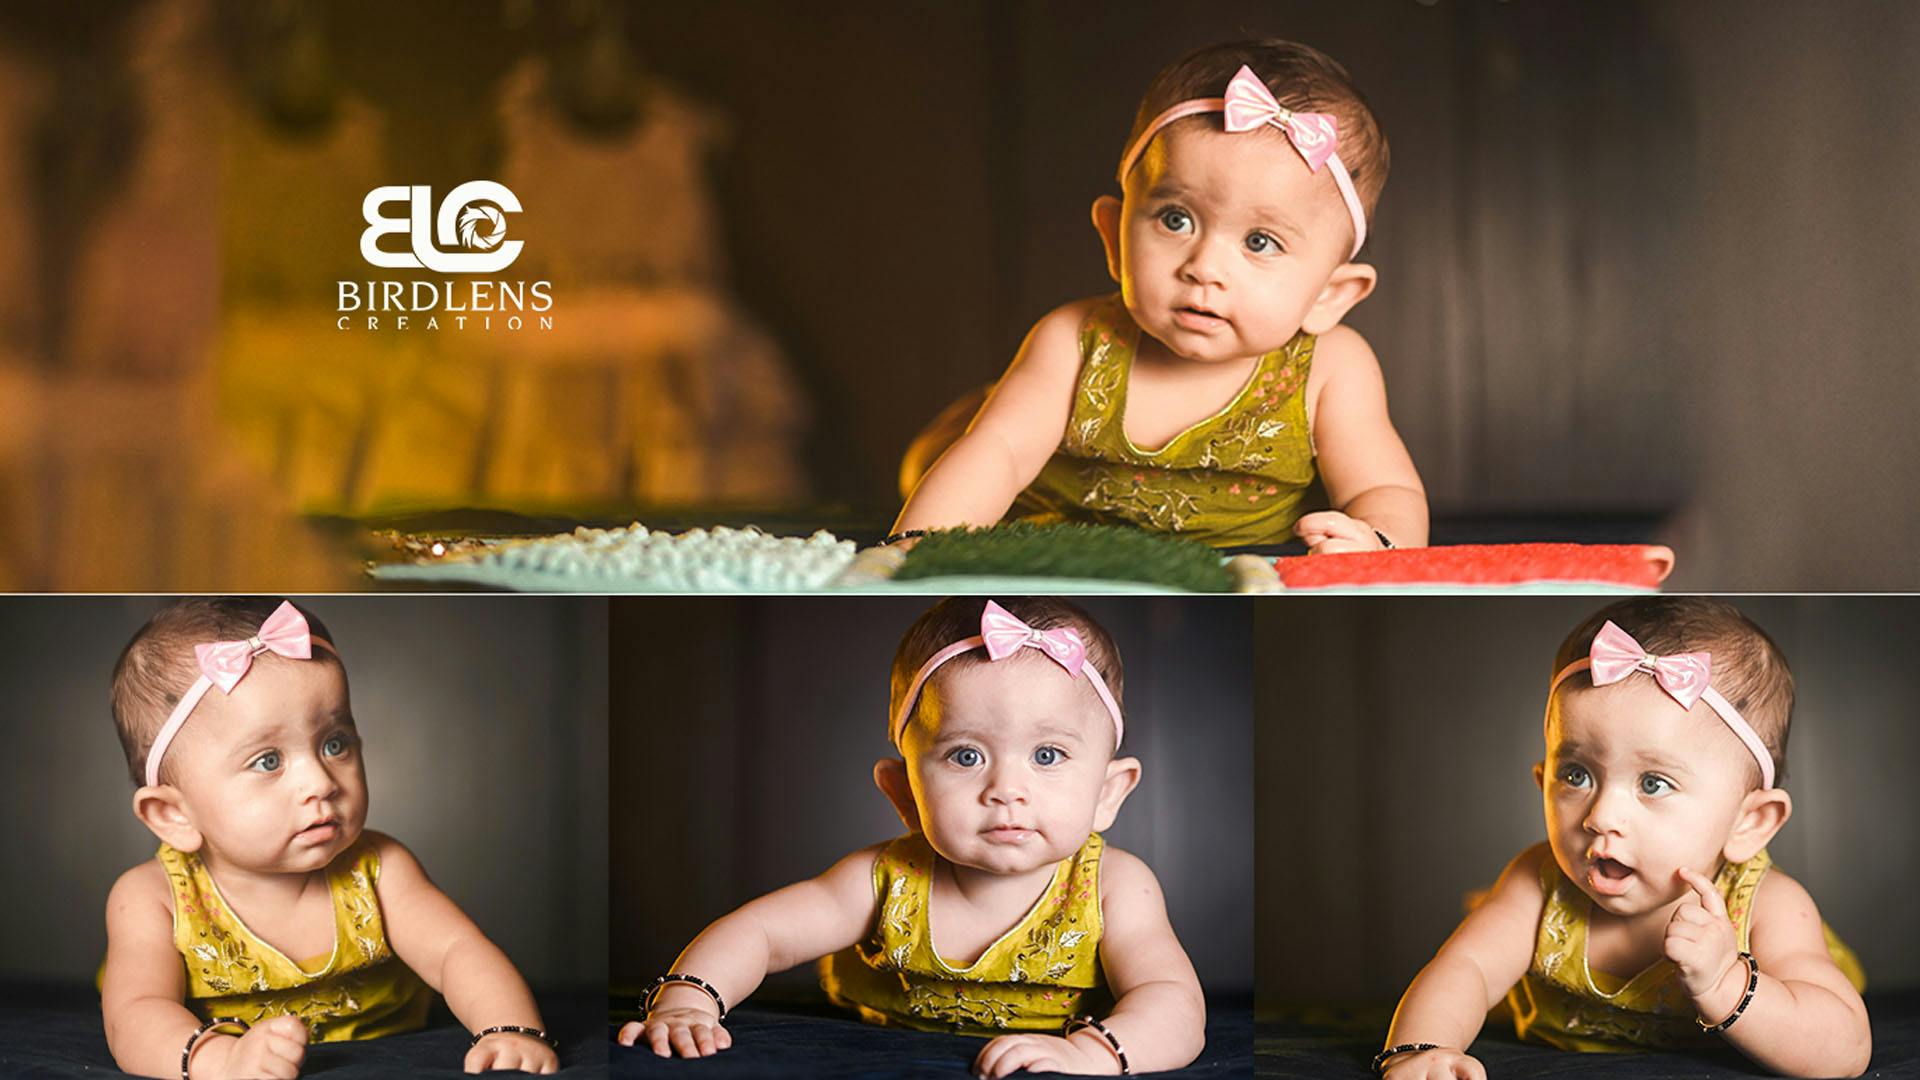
(1174, 219)
(966, 757)
(1655, 785)
(336, 745)
(267, 762)
(1573, 775)
(1049, 755)
(1263, 244)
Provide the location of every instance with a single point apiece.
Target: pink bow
(1003, 634)
(1249, 104)
(284, 633)
(1616, 655)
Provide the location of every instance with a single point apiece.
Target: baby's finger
(629, 1031)
(1339, 545)
(703, 1038)
(722, 1038)
(1324, 521)
(285, 1047)
(657, 1035)
(1690, 915)
(478, 1059)
(1467, 1068)
(682, 1040)
(1015, 1059)
(278, 1068)
(1709, 896)
(990, 1053)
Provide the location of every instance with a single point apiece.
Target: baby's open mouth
(1612, 869)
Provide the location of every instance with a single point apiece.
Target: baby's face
(1007, 760)
(1226, 241)
(271, 775)
(1636, 789)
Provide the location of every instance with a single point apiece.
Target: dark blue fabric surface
(1329, 1044)
(58, 1034)
(796, 1041)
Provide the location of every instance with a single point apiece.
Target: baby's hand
(1701, 940)
(687, 1032)
(509, 1050)
(1330, 532)
(1043, 1053)
(271, 1048)
(1441, 1064)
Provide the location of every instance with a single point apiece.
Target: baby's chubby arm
(1487, 954)
(1805, 1018)
(1159, 1014)
(1365, 467)
(1013, 435)
(431, 935)
(143, 988)
(784, 928)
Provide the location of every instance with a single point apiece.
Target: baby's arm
(789, 926)
(1805, 1018)
(1487, 954)
(441, 944)
(1159, 1014)
(1016, 431)
(143, 987)
(1365, 467)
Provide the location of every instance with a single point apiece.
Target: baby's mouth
(320, 831)
(1197, 317)
(1010, 834)
(1609, 876)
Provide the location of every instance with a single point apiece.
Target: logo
(467, 235)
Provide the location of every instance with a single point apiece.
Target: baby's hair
(958, 617)
(1748, 668)
(158, 665)
(1301, 78)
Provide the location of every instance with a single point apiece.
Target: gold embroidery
(361, 991)
(1032, 979)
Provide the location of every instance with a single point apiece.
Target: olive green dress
(1236, 478)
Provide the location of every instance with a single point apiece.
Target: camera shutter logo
(463, 221)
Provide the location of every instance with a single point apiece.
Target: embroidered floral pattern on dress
(1032, 979)
(360, 989)
(1236, 477)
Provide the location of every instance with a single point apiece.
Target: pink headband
(1248, 106)
(1002, 634)
(1686, 679)
(223, 663)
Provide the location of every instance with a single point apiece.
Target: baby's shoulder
(1343, 350)
(143, 894)
(1123, 873)
(1057, 333)
(1780, 898)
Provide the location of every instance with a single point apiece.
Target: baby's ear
(1106, 222)
(1349, 284)
(890, 776)
(1123, 775)
(162, 810)
(1762, 814)
(1540, 775)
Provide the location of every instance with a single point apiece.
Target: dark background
(1643, 265)
(484, 722)
(1395, 746)
(744, 734)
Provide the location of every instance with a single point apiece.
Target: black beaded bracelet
(1746, 999)
(1101, 1029)
(1385, 544)
(903, 534)
(653, 992)
(1380, 1059)
(515, 1029)
(186, 1052)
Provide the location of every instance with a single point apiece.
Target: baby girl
(1205, 397)
(1001, 912)
(1650, 917)
(270, 917)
